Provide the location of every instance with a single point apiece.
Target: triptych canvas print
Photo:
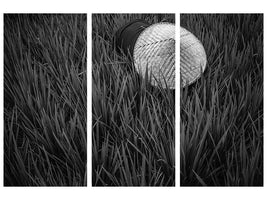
(134, 80)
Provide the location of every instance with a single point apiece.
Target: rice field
(221, 127)
(133, 123)
(45, 100)
(133, 129)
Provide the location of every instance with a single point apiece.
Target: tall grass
(221, 132)
(133, 123)
(44, 100)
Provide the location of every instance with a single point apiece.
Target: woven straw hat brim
(154, 54)
(193, 58)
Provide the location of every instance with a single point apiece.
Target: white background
(134, 6)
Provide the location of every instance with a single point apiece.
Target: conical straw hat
(154, 54)
(193, 58)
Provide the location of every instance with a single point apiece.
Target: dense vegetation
(45, 100)
(221, 127)
(133, 123)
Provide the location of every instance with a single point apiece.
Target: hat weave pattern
(154, 54)
(193, 58)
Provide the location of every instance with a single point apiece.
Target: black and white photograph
(221, 99)
(45, 95)
(93, 106)
(133, 100)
